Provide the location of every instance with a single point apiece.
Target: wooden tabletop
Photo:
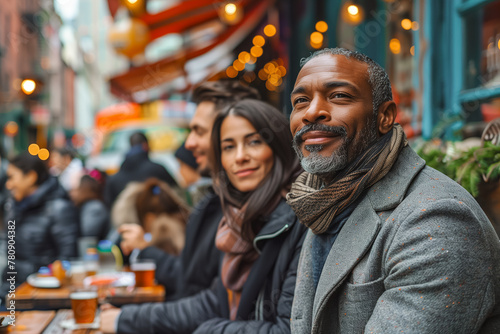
(29, 322)
(43, 322)
(29, 298)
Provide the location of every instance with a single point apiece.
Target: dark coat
(198, 264)
(94, 219)
(46, 229)
(266, 299)
(135, 167)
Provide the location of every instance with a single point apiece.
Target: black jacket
(198, 264)
(266, 299)
(135, 167)
(94, 219)
(46, 229)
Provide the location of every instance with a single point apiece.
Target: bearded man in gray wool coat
(394, 246)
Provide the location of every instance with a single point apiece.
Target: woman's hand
(133, 237)
(109, 315)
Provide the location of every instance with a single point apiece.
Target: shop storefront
(443, 57)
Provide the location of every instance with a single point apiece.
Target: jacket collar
(390, 191)
(46, 191)
(280, 220)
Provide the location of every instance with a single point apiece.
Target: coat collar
(362, 227)
(281, 219)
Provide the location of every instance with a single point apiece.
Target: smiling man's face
(332, 119)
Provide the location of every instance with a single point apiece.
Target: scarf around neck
(316, 206)
(239, 256)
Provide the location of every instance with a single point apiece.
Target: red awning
(155, 74)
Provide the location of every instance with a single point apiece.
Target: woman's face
(245, 156)
(20, 185)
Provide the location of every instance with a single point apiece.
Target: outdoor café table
(29, 298)
(29, 322)
(43, 322)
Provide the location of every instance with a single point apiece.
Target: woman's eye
(255, 142)
(227, 147)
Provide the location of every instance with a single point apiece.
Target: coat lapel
(353, 242)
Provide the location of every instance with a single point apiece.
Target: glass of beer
(84, 305)
(144, 271)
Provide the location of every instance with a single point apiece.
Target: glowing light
(406, 24)
(262, 74)
(269, 68)
(230, 13)
(130, 2)
(259, 40)
(395, 46)
(270, 86)
(415, 26)
(252, 60)
(33, 149)
(316, 38)
(244, 57)
(231, 72)
(321, 26)
(238, 65)
(269, 30)
(11, 129)
(499, 43)
(412, 50)
(230, 8)
(353, 10)
(28, 86)
(281, 70)
(352, 14)
(256, 51)
(43, 154)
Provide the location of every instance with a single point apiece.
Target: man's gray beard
(327, 166)
(317, 164)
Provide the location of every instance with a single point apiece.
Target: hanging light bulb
(352, 13)
(231, 12)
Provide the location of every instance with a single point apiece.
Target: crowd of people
(326, 222)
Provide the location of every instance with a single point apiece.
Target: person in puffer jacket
(259, 236)
(39, 218)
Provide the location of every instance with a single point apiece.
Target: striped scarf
(316, 206)
(239, 256)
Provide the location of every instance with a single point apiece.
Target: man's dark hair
(223, 93)
(27, 163)
(138, 138)
(66, 152)
(377, 76)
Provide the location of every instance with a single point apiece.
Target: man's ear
(386, 117)
(32, 177)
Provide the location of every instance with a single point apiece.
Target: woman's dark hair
(157, 197)
(274, 129)
(94, 180)
(27, 162)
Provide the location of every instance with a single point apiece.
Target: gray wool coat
(417, 255)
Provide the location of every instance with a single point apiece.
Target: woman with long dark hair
(259, 235)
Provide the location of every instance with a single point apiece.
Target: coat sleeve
(281, 323)
(182, 316)
(64, 229)
(168, 267)
(438, 272)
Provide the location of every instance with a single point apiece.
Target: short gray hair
(377, 76)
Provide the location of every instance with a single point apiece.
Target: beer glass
(144, 271)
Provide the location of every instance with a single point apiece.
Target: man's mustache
(336, 130)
